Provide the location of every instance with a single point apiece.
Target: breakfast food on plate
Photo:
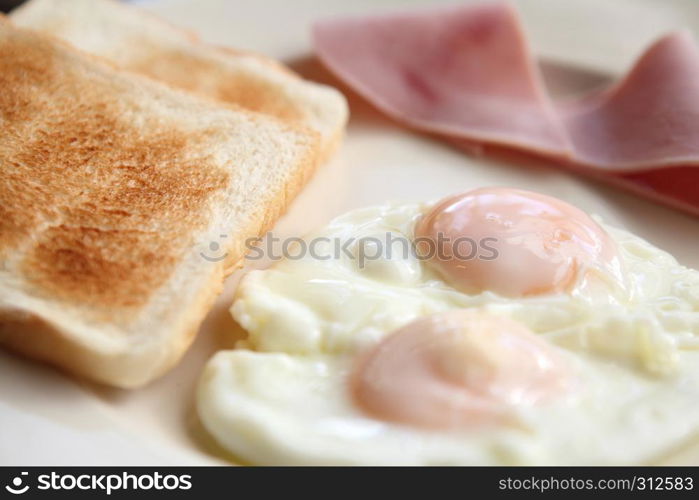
(140, 42)
(498, 326)
(466, 72)
(112, 184)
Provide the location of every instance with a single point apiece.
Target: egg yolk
(513, 242)
(454, 369)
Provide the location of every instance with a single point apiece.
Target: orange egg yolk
(525, 243)
(458, 368)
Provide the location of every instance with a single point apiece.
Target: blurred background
(597, 34)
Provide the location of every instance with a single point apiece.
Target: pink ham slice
(650, 118)
(456, 71)
(643, 133)
(467, 73)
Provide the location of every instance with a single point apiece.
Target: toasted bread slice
(140, 42)
(113, 189)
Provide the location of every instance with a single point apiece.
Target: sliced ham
(467, 73)
(649, 119)
(457, 71)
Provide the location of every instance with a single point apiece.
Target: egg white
(276, 408)
(282, 397)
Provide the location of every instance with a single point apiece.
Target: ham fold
(468, 74)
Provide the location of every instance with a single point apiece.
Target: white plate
(49, 419)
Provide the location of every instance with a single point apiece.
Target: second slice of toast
(138, 41)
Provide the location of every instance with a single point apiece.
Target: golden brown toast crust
(137, 40)
(105, 200)
(206, 77)
(100, 197)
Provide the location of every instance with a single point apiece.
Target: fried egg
(498, 326)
